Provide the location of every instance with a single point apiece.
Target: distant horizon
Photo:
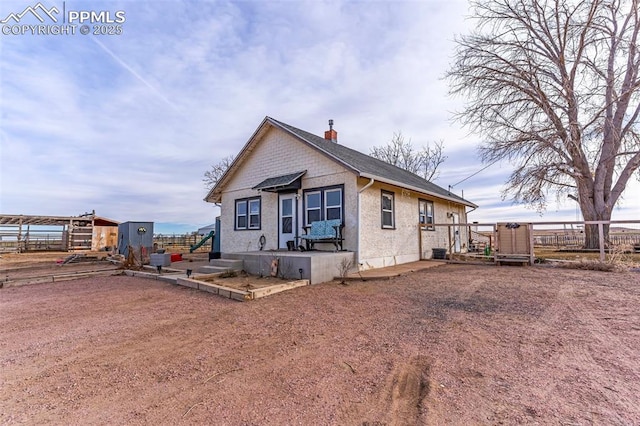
(167, 228)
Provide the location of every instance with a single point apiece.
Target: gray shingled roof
(366, 165)
(279, 181)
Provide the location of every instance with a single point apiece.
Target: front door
(286, 219)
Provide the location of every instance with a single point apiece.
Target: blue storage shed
(138, 235)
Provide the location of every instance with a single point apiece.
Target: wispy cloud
(131, 70)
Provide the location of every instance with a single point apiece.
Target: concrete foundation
(315, 266)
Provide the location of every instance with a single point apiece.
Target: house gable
(275, 157)
(277, 153)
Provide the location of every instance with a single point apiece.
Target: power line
(473, 174)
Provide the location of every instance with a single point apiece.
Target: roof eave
(104, 219)
(213, 198)
(417, 189)
(215, 195)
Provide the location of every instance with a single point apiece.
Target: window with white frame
(333, 204)
(425, 214)
(323, 204)
(388, 216)
(313, 206)
(247, 213)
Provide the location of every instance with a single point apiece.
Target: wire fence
(560, 239)
(181, 243)
(49, 240)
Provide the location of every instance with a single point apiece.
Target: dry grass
(593, 265)
(617, 259)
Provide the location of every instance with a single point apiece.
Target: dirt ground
(243, 281)
(18, 268)
(454, 344)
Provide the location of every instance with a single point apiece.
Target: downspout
(466, 214)
(360, 191)
(469, 233)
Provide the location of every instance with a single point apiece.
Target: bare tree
(553, 87)
(213, 175)
(423, 162)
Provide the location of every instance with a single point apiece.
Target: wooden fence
(482, 237)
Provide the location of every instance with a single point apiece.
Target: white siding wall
(440, 237)
(278, 153)
(386, 247)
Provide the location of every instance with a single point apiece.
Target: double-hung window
(313, 206)
(388, 215)
(425, 214)
(333, 203)
(323, 204)
(248, 213)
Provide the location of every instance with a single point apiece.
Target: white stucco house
(285, 178)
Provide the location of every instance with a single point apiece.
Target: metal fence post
(601, 238)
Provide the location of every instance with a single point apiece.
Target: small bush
(343, 270)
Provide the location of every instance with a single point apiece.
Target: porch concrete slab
(315, 266)
(394, 271)
(183, 265)
(214, 270)
(232, 264)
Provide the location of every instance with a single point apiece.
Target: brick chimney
(331, 135)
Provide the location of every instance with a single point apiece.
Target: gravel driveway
(454, 344)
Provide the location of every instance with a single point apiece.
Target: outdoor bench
(324, 231)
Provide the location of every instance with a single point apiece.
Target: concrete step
(214, 270)
(234, 264)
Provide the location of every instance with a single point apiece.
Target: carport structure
(56, 233)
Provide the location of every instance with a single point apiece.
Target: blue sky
(127, 124)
